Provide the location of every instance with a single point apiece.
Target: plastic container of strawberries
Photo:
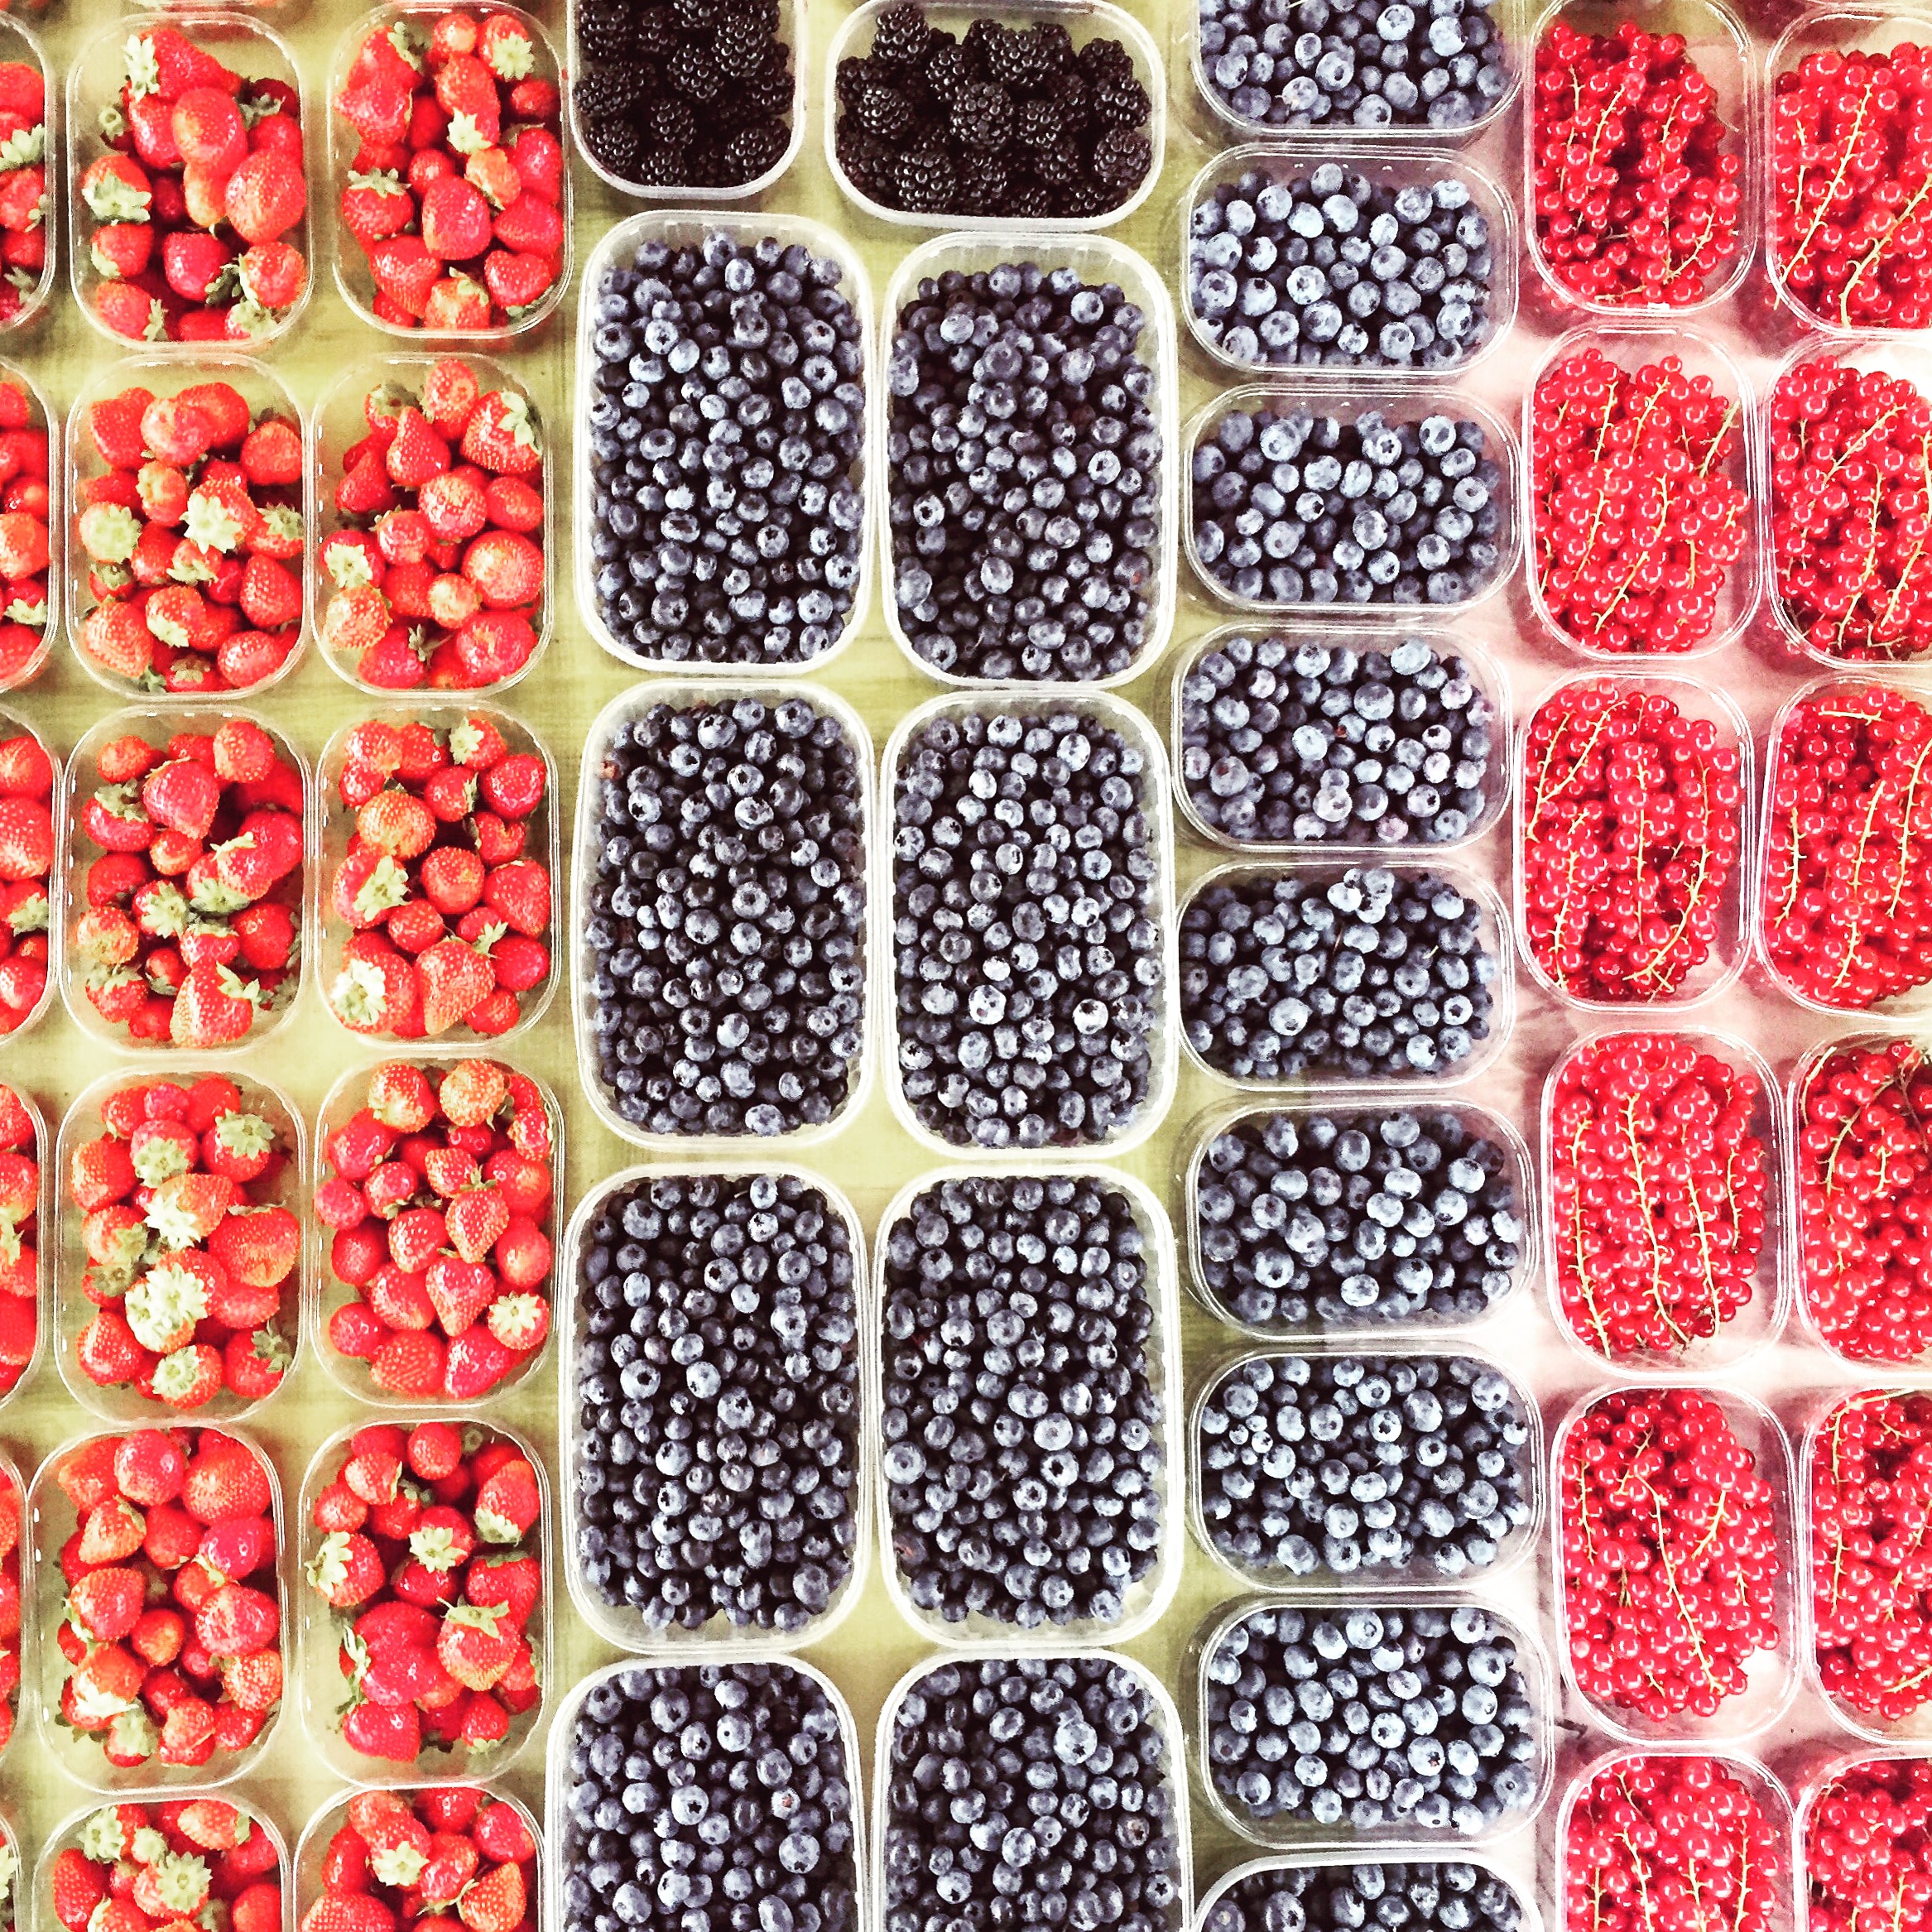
(13, 1704)
(18, 41)
(43, 416)
(45, 1207)
(13, 725)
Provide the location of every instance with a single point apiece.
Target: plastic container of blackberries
(19, 42)
(1343, 1863)
(1102, 708)
(1083, 20)
(1146, 1600)
(307, 1888)
(12, 724)
(688, 229)
(43, 416)
(1718, 44)
(1347, 401)
(35, 1908)
(617, 1623)
(1633, 345)
(684, 694)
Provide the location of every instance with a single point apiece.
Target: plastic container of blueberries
(1718, 42)
(317, 1683)
(308, 1888)
(1699, 700)
(618, 1624)
(1097, 260)
(1393, 168)
(1148, 1600)
(43, 415)
(1772, 1676)
(327, 1292)
(45, 1209)
(50, 1521)
(1762, 1321)
(684, 694)
(165, 374)
(1328, 1586)
(1159, 1700)
(247, 47)
(1347, 402)
(687, 229)
(12, 724)
(353, 280)
(19, 42)
(1370, 1334)
(338, 423)
(1101, 709)
(1482, 669)
(336, 829)
(1633, 345)
(75, 850)
(125, 1407)
(1493, 937)
(1302, 1836)
(1529, 1918)
(1084, 21)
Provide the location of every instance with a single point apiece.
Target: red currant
(1868, 1848)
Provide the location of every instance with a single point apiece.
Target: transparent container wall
(42, 417)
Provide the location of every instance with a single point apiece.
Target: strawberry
(266, 196)
(496, 1902)
(501, 436)
(409, 1363)
(455, 978)
(213, 1008)
(347, 1570)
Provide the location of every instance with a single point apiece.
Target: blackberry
(925, 180)
(1020, 61)
(983, 180)
(657, 32)
(693, 72)
(901, 36)
(1100, 60)
(613, 142)
(670, 122)
(704, 159)
(603, 92)
(981, 116)
(865, 157)
(948, 71)
(1121, 159)
(1031, 202)
(849, 79)
(1121, 102)
(1071, 97)
(606, 30)
(753, 150)
(767, 94)
(1060, 165)
(1037, 123)
(1082, 201)
(660, 167)
(741, 44)
(883, 110)
(693, 15)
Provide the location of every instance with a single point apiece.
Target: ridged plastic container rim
(51, 421)
(44, 1210)
(688, 229)
(1319, 1084)
(717, 1639)
(1160, 1702)
(321, 1297)
(1291, 159)
(790, 21)
(333, 408)
(1301, 1835)
(684, 694)
(317, 1677)
(85, 72)
(1114, 714)
(1629, 345)
(1148, 1600)
(124, 1407)
(1695, 698)
(1371, 1335)
(1808, 1790)
(1097, 260)
(1490, 685)
(1715, 1359)
(27, 46)
(1738, 104)
(1772, 1675)
(78, 1753)
(155, 725)
(1097, 16)
(352, 274)
(1530, 1918)
(331, 844)
(1328, 1589)
(1399, 403)
(20, 1702)
(12, 723)
(167, 374)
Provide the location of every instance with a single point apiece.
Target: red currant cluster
(1847, 910)
(1851, 186)
(1669, 1546)
(1636, 185)
(1637, 516)
(1868, 1848)
(1870, 1503)
(1851, 509)
(1658, 1185)
(1863, 1136)
(1632, 818)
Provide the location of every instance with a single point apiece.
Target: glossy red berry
(1868, 1847)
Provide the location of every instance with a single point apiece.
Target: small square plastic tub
(1343, 1864)
(166, 374)
(304, 1887)
(679, 230)
(337, 829)
(1111, 714)
(1492, 687)
(1098, 260)
(318, 1682)
(42, 1236)
(1370, 1333)
(717, 1639)
(1718, 43)
(353, 279)
(1634, 345)
(1083, 20)
(1391, 169)
(1147, 1599)
(1398, 404)
(338, 424)
(1698, 702)
(683, 695)
(240, 42)
(19, 42)
(13, 725)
